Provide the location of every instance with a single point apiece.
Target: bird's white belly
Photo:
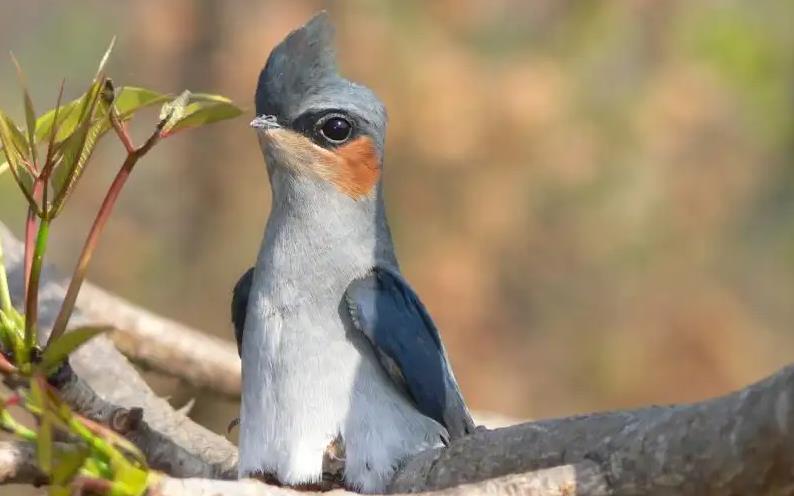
(305, 382)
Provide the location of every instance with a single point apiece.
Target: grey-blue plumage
(338, 353)
(384, 307)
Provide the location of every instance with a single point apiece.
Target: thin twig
(121, 130)
(78, 276)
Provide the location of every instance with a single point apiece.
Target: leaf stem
(121, 130)
(78, 276)
(31, 305)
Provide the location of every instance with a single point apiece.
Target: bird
(344, 374)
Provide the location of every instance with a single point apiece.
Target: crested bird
(344, 373)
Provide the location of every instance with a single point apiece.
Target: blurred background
(595, 199)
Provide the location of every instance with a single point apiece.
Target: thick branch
(18, 465)
(164, 345)
(742, 443)
(583, 479)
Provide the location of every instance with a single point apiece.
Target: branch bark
(163, 345)
(18, 465)
(741, 443)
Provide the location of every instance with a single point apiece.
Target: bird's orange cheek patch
(357, 170)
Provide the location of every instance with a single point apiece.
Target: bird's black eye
(336, 129)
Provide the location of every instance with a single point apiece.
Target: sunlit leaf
(105, 58)
(59, 349)
(70, 115)
(131, 99)
(65, 179)
(173, 111)
(3, 164)
(6, 335)
(8, 424)
(207, 97)
(44, 439)
(14, 147)
(68, 465)
(94, 465)
(30, 113)
(67, 121)
(69, 152)
(54, 490)
(202, 113)
(77, 148)
(133, 479)
(18, 143)
(13, 329)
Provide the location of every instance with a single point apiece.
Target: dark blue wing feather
(389, 313)
(240, 306)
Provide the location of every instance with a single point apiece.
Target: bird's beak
(265, 122)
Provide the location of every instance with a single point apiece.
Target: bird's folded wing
(240, 306)
(385, 309)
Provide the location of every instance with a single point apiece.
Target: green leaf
(17, 142)
(44, 443)
(13, 326)
(59, 349)
(8, 424)
(77, 148)
(131, 99)
(30, 113)
(207, 97)
(44, 439)
(63, 178)
(68, 117)
(133, 479)
(67, 121)
(3, 164)
(15, 146)
(104, 59)
(69, 462)
(54, 490)
(202, 113)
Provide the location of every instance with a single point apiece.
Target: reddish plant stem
(121, 130)
(89, 485)
(78, 276)
(6, 367)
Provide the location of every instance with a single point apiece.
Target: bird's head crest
(304, 63)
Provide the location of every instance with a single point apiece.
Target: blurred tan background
(595, 199)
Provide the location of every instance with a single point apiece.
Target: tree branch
(18, 466)
(741, 443)
(163, 345)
